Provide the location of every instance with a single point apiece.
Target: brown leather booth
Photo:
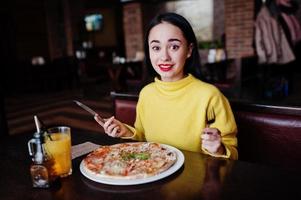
(266, 134)
(269, 134)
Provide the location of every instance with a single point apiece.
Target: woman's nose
(165, 55)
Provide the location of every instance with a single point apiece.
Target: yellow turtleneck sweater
(175, 113)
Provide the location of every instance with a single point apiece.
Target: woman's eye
(174, 47)
(155, 48)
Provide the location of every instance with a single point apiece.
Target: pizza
(134, 160)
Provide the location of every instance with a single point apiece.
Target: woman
(177, 108)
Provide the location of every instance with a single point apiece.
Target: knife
(92, 112)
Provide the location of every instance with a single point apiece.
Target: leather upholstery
(267, 136)
(273, 139)
(125, 110)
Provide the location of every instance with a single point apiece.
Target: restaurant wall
(7, 34)
(55, 27)
(30, 29)
(199, 13)
(41, 28)
(106, 37)
(133, 31)
(239, 28)
(205, 16)
(50, 28)
(218, 19)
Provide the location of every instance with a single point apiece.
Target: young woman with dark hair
(177, 108)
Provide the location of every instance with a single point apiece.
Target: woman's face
(168, 51)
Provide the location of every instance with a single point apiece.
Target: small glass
(58, 147)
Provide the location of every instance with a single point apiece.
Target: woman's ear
(190, 47)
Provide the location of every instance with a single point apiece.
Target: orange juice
(59, 148)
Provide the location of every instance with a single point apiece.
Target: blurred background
(53, 51)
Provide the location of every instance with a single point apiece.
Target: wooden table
(201, 177)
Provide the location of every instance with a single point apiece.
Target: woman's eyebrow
(170, 40)
(154, 41)
(174, 39)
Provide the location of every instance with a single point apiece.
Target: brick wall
(133, 33)
(218, 19)
(239, 28)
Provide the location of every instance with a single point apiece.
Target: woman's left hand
(212, 141)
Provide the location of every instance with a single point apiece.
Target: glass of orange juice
(58, 147)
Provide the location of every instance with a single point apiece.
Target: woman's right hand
(114, 127)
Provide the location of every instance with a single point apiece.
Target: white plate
(114, 181)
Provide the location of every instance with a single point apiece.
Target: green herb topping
(139, 156)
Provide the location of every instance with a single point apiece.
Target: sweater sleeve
(225, 123)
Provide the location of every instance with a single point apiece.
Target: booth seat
(268, 135)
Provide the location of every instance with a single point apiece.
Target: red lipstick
(165, 67)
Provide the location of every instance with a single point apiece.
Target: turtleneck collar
(168, 87)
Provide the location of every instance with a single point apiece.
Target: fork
(210, 118)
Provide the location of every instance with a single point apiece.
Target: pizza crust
(134, 160)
